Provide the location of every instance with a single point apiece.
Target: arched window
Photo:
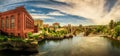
(12, 22)
(2, 22)
(19, 20)
(7, 22)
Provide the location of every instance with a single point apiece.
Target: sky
(75, 12)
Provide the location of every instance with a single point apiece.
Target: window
(27, 23)
(12, 22)
(19, 21)
(7, 22)
(2, 22)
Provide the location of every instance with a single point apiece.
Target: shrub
(29, 34)
(117, 31)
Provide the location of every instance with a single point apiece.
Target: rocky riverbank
(58, 38)
(28, 44)
(113, 38)
(21, 45)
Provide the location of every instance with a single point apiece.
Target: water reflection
(79, 46)
(76, 46)
(115, 44)
(12, 53)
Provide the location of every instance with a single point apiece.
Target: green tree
(111, 24)
(117, 31)
(29, 34)
(88, 31)
(117, 23)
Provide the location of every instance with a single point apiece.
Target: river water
(76, 46)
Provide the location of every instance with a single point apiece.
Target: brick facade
(16, 22)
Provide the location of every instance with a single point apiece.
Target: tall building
(16, 22)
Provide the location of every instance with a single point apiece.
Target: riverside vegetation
(112, 30)
(18, 44)
(47, 33)
(30, 44)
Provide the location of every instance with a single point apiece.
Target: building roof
(56, 23)
(17, 9)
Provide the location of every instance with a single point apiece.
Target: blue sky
(65, 12)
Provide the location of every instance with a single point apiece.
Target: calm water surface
(76, 46)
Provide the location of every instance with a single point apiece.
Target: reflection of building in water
(16, 22)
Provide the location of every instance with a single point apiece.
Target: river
(76, 46)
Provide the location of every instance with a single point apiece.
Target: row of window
(5, 23)
(11, 20)
(28, 24)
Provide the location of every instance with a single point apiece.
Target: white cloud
(112, 15)
(7, 2)
(80, 8)
(92, 9)
(56, 13)
(33, 10)
(40, 16)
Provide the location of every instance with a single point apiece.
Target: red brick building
(16, 22)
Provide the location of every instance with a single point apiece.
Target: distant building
(56, 25)
(51, 28)
(69, 25)
(16, 22)
(38, 22)
(64, 26)
(45, 25)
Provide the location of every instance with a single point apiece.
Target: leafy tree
(88, 31)
(29, 34)
(111, 24)
(117, 31)
(117, 23)
(36, 36)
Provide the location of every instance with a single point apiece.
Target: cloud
(40, 16)
(80, 9)
(98, 11)
(91, 9)
(55, 13)
(8, 2)
(33, 10)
